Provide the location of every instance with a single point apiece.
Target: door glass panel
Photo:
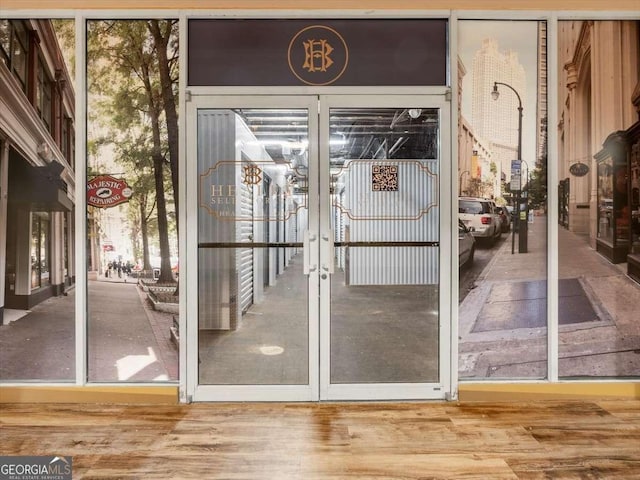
(384, 171)
(253, 323)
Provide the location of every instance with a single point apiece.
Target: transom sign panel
(340, 52)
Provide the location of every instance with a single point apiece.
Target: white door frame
(319, 387)
(199, 392)
(388, 391)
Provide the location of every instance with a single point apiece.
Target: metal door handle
(327, 253)
(306, 254)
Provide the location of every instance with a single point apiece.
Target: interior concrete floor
(379, 334)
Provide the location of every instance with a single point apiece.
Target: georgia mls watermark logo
(35, 468)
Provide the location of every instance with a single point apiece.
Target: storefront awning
(39, 188)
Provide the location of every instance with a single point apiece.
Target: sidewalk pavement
(502, 322)
(127, 339)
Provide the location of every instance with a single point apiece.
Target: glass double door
(317, 250)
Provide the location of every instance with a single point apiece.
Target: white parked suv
(481, 217)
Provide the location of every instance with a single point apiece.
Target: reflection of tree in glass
(66, 35)
(132, 71)
(479, 188)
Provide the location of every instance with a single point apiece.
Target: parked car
(511, 212)
(481, 217)
(505, 215)
(466, 246)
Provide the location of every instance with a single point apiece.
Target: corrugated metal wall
(292, 229)
(409, 214)
(338, 226)
(246, 254)
(218, 306)
(231, 280)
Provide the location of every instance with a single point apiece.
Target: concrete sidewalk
(503, 320)
(127, 340)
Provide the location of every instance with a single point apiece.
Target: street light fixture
(522, 229)
(495, 94)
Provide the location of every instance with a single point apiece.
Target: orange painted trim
(468, 392)
(518, 392)
(90, 394)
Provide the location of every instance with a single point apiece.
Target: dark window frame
(20, 37)
(44, 94)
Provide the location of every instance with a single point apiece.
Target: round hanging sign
(579, 169)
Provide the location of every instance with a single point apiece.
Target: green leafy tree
(165, 37)
(143, 202)
(538, 186)
(479, 188)
(127, 95)
(66, 35)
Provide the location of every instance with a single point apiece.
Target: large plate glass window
(502, 200)
(599, 180)
(37, 185)
(132, 208)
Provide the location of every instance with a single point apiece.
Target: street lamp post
(522, 226)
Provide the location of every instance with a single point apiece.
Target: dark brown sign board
(338, 52)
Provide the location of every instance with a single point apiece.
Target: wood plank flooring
(537, 440)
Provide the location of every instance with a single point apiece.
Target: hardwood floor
(539, 440)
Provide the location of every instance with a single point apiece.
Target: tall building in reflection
(542, 109)
(497, 121)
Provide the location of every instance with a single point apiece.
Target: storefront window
(503, 287)
(598, 100)
(35, 252)
(37, 306)
(606, 224)
(13, 48)
(64, 146)
(621, 203)
(131, 193)
(19, 52)
(43, 94)
(502, 199)
(66, 247)
(39, 249)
